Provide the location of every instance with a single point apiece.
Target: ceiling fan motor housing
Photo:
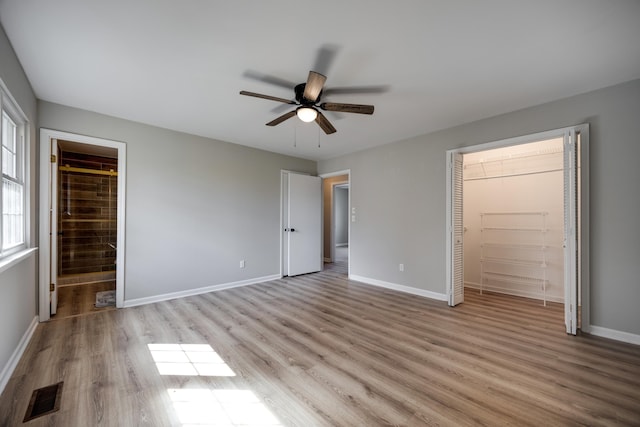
(299, 89)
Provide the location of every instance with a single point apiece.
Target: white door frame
(583, 275)
(332, 236)
(45, 228)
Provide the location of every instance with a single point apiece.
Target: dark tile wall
(86, 215)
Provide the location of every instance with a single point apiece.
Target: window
(12, 191)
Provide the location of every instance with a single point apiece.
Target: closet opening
(517, 225)
(513, 223)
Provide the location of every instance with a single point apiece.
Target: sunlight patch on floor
(189, 360)
(229, 408)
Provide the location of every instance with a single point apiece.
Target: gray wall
(195, 207)
(399, 193)
(342, 216)
(18, 284)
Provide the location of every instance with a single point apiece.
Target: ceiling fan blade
(326, 126)
(325, 57)
(347, 108)
(279, 109)
(282, 118)
(355, 90)
(314, 85)
(269, 97)
(266, 78)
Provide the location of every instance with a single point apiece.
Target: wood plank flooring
(320, 350)
(78, 300)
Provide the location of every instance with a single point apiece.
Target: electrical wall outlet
(241, 263)
(401, 267)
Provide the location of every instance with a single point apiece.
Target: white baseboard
(198, 291)
(401, 288)
(327, 259)
(341, 245)
(613, 334)
(8, 369)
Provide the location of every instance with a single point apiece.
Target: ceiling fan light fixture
(306, 114)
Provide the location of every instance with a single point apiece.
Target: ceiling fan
(308, 97)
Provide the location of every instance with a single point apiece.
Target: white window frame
(10, 107)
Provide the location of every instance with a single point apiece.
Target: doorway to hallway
(336, 220)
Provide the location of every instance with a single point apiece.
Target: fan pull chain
(295, 135)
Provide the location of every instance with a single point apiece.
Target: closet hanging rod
(515, 213)
(511, 175)
(85, 170)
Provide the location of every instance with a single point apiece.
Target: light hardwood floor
(80, 299)
(320, 350)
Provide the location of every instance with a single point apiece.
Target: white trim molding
(401, 288)
(8, 369)
(613, 334)
(13, 259)
(199, 291)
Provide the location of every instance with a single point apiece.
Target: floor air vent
(44, 401)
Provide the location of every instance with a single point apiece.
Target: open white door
(302, 224)
(571, 230)
(456, 267)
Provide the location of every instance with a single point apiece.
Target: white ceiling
(180, 64)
